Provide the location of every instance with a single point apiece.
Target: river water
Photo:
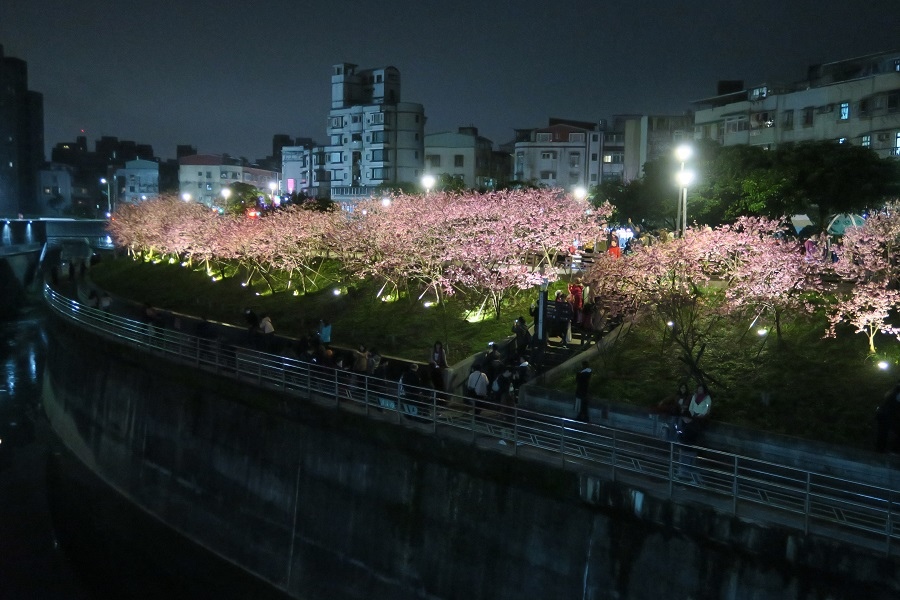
(63, 534)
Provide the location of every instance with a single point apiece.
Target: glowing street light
(186, 197)
(428, 182)
(683, 153)
(579, 192)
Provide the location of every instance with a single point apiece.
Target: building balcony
(351, 192)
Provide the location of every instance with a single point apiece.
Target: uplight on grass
(762, 331)
(883, 365)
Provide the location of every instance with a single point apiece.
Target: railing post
(337, 390)
(433, 411)
(516, 430)
(615, 444)
(734, 486)
(366, 393)
(671, 467)
(890, 521)
(806, 505)
(562, 441)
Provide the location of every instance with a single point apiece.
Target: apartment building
(855, 101)
(21, 139)
(565, 154)
(374, 139)
(462, 155)
(202, 177)
(644, 138)
(136, 182)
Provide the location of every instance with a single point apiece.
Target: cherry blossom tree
(867, 308)
(486, 244)
(868, 259)
(761, 269)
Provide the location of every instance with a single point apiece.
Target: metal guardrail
(853, 511)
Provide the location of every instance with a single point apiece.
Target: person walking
(582, 392)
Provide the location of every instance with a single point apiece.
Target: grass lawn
(806, 386)
(404, 327)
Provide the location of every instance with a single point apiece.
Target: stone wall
(325, 503)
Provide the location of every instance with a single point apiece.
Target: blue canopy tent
(840, 223)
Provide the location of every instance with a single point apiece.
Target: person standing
(582, 392)
(438, 362)
(523, 336)
(324, 331)
(614, 249)
(477, 387)
(887, 421)
(576, 293)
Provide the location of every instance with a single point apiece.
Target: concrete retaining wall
(324, 503)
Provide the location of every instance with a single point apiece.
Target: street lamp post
(682, 153)
(685, 178)
(104, 180)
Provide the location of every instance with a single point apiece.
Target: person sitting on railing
(409, 390)
(698, 411)
(265, 326)
(673, 408)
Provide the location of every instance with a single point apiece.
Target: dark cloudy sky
(226, 76)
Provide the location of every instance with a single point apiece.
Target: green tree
(241, 197)
(450, 183)
(824, 178)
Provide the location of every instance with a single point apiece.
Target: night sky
(226, 76)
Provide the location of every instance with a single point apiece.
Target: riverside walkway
(862, 511)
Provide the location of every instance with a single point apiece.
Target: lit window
(845, 111)
(866, 140)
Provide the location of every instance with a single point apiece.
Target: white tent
(800, 221)
(839, 223)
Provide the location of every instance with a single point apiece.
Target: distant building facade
(644, 138)
(137, 181)
(566, 154)
(855, 101)
(463, 155)
(89, 169)
(58, 192)
(21, 139)
(374, 139)
(202, 177)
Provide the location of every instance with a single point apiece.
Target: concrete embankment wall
(325, 503)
